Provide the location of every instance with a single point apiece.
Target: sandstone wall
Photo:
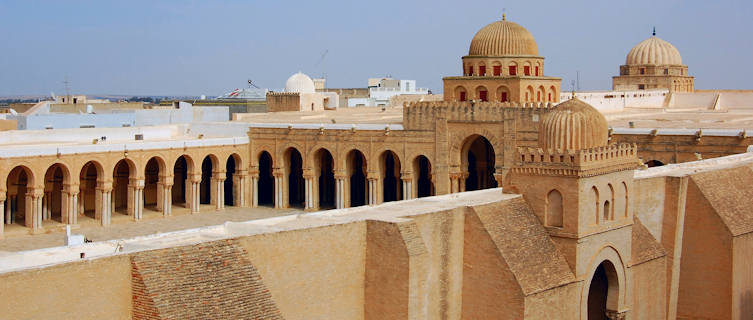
(314, 273)
(90, 289)
(705, 273)
(649, 294)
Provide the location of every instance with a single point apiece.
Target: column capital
(35, 192)
(136, 183)
(241, 173)
(104, 186)
(406, 176)
(194, 178)
(614, 315)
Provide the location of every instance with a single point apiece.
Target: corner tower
(654, 64)
(503, 64)
(580, 188)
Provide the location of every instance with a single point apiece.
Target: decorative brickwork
(213, 280)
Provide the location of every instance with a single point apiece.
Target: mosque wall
(678, 148)
(89, 289)
(314, 272)
(649, 202)
(742, 270)
(705, 286)
(649, 298)
(283, 101)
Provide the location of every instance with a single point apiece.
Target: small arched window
(596, 202)
(554, 209)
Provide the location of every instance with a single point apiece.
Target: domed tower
(580, 188)
(653, 64)
(503, 64)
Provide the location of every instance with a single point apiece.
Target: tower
(580, 186)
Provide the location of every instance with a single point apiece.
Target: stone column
(279, 175)
(165, 197)
(195, 193)
(372, 190)
(103, 202)
(340, 189)
(254, 185)
(218, 190)
(461, 181)
(34, 208)
(454, 182)
(310, 203)
(69, 208)
(136, 198)
(407, 179)
(240, 189)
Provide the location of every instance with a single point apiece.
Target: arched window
(482, 69)
(513, 69)
(596, 202)
(554, 209)
(609, 204)
(460, 93)
(625, 188)
(496, 69)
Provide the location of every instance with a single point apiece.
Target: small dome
(573, 125)
(654, 51)
(300, 83)
(503, 38)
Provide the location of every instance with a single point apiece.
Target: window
(554, 209)
(497, 70)
(482, 70)
(527, 70)
(537, 71)
(549, 98)
(483, 95)
(462, 96)
(538, 96)
(513, 70)
(666, 71)
(643, 71)
(641, 87)
(470, 70)
(503, 97)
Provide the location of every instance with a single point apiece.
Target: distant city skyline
(195, 48)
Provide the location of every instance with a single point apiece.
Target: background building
(653, 64)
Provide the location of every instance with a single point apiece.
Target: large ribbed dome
(654, 51)
(503, 38)
(573, 125)
(300, 83)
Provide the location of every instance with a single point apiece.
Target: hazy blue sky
(210, 47)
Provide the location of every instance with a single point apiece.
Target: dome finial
(504, 17)
(654, 33)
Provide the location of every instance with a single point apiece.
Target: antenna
(321, 61)
(251, 84)
(504, 17)
(67, 83)
(654, 33)
(577, 79)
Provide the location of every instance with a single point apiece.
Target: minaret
(580, 187)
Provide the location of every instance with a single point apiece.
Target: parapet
(578, 163)
(418, 115)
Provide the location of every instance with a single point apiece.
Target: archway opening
(151, 183)
(230, 192)
(266, 183)
(602, 292)
(120, 180)
(296, 185)
(19, 183)
(87, 190)
(205, 187)
(479, 156)
(181, 171)
(357, 178)
(422, 168)
(326, 179)
(654, 163)
(53, 194)
(390, 171)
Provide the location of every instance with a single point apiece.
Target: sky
(211, 47)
